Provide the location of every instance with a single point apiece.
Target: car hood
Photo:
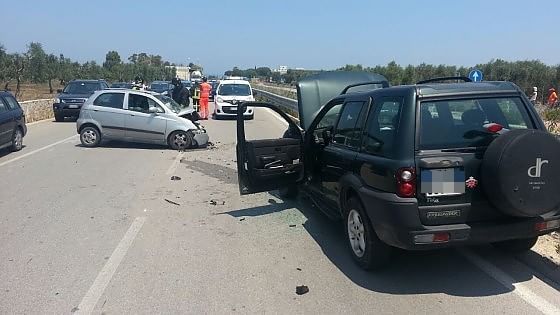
(185, 111)
(316, 90)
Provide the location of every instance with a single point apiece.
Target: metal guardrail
(278, 100)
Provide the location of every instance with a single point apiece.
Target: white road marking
(37, 150)
(175, 164)
(273, 113)
(98, 287)
(517, 288)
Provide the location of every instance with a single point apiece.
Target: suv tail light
(406, 182)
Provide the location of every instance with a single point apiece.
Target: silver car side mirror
(153, 110)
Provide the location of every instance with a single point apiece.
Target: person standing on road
(533, 97)
(205, 90)
(180, 93)
(195, 94)
(138, 84)
(552, 97)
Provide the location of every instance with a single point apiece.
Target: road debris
(298, 269)
(242, 219)
(175, 177)
(75, 309)
(215, 202)
(301, 289)
(171, 202)
(293, 225)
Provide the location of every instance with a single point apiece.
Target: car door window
(3, 106)
(12, 103)
(348, 129)
(112, 100)
(142, 104)
(382, 126)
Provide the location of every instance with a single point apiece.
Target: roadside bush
(551, 118)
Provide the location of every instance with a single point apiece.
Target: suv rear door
(451, 141)
(268, 164)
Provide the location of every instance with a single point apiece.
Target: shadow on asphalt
(129, 145)
(6, 151)
(438, 271)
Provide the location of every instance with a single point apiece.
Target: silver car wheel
(356, 233)
(89, 137)
(181, 140)
(18, 140)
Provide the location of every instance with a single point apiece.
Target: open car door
(268, 164)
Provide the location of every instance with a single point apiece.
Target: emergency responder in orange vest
(195, 94)
(205, 89)
(552, 97)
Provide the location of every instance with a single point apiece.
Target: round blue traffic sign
(475, 75)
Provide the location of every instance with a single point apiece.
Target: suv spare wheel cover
(521, 173)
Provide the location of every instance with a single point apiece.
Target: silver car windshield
(169, 103)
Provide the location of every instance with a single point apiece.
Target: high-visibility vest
(196, 93)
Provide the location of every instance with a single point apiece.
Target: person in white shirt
(533, 97)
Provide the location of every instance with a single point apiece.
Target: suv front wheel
(366, 248)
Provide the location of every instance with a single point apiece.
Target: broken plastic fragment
(301, 289)
(171, 202)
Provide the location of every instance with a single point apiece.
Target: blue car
(12, 122)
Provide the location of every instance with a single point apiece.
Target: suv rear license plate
(442, 181)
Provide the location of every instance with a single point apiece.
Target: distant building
(183, 72)
(283, 69)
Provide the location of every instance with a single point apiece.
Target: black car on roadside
(12, 122)
(161, 87)
(417, 167)
(121, 85)
(69, 101)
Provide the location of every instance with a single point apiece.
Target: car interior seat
(473, 119)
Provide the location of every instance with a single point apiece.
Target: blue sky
(314, 34)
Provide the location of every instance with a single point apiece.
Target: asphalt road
(89, 231)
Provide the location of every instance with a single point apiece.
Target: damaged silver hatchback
(139, 116)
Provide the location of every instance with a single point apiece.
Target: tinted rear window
(460, 123)
(112, 100)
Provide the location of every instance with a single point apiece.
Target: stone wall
(37, 109)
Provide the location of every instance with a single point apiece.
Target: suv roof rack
(385, 84)
(434, 80)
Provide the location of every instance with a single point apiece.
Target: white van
(231, 93)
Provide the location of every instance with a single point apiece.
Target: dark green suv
(416, 167)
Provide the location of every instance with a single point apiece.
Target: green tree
(52, 70)
(264, 72)
(112, 59)
(36, 71)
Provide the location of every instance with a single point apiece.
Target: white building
(283, 69)
(183, 72)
